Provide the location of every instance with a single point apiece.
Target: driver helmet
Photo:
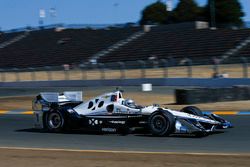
(129, 103)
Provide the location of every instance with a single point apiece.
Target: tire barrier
(209, 95)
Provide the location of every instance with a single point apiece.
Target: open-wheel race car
(111, 113)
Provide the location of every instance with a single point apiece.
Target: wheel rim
(54, 120)
(159, 123)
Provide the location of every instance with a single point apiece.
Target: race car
(111, 113)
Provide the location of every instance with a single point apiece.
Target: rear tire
(192, 110)
(161, 124)
(54, 121)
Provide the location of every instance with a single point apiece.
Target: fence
(164, 68)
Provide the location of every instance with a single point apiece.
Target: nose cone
(225, 125)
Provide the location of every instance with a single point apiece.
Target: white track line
(125, 152)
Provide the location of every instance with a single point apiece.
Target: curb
(221, 112)
(227, 112)
(16, 112)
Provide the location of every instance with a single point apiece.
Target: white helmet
(129, 103)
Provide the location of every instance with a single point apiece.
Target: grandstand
(4, 37)
(197, 45)
(55, 47)
(245, 52)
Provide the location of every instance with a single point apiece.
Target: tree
(155, 13)
(227, 12)
(186, 10)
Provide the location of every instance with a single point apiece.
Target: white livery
(110, 112)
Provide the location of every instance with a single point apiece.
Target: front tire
(161, 124)
(54, 121)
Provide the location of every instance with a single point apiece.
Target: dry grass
(30, 158)
(233, 70)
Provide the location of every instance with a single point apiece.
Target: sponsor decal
(108, 129)
(117, 122)
(135, 116)
(142, 122)
(94, 122)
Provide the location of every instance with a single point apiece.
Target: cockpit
(117, 97)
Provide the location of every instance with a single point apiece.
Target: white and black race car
(112, 113)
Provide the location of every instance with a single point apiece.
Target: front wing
(192, 126)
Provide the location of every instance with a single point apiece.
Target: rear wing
(45, 100)
(55, 97)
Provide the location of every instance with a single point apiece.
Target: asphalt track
(16, 131)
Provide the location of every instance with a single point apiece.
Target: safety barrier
(209, 95)
(190, 82)
(162, 68)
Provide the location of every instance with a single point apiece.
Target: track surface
(16, 131)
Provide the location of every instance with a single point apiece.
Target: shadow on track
(183, 135)
(136, 133)
(77, 132)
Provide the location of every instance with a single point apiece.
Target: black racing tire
(192, 110)
(54, 121)
(161, 124)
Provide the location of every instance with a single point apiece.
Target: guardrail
(163, 68)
